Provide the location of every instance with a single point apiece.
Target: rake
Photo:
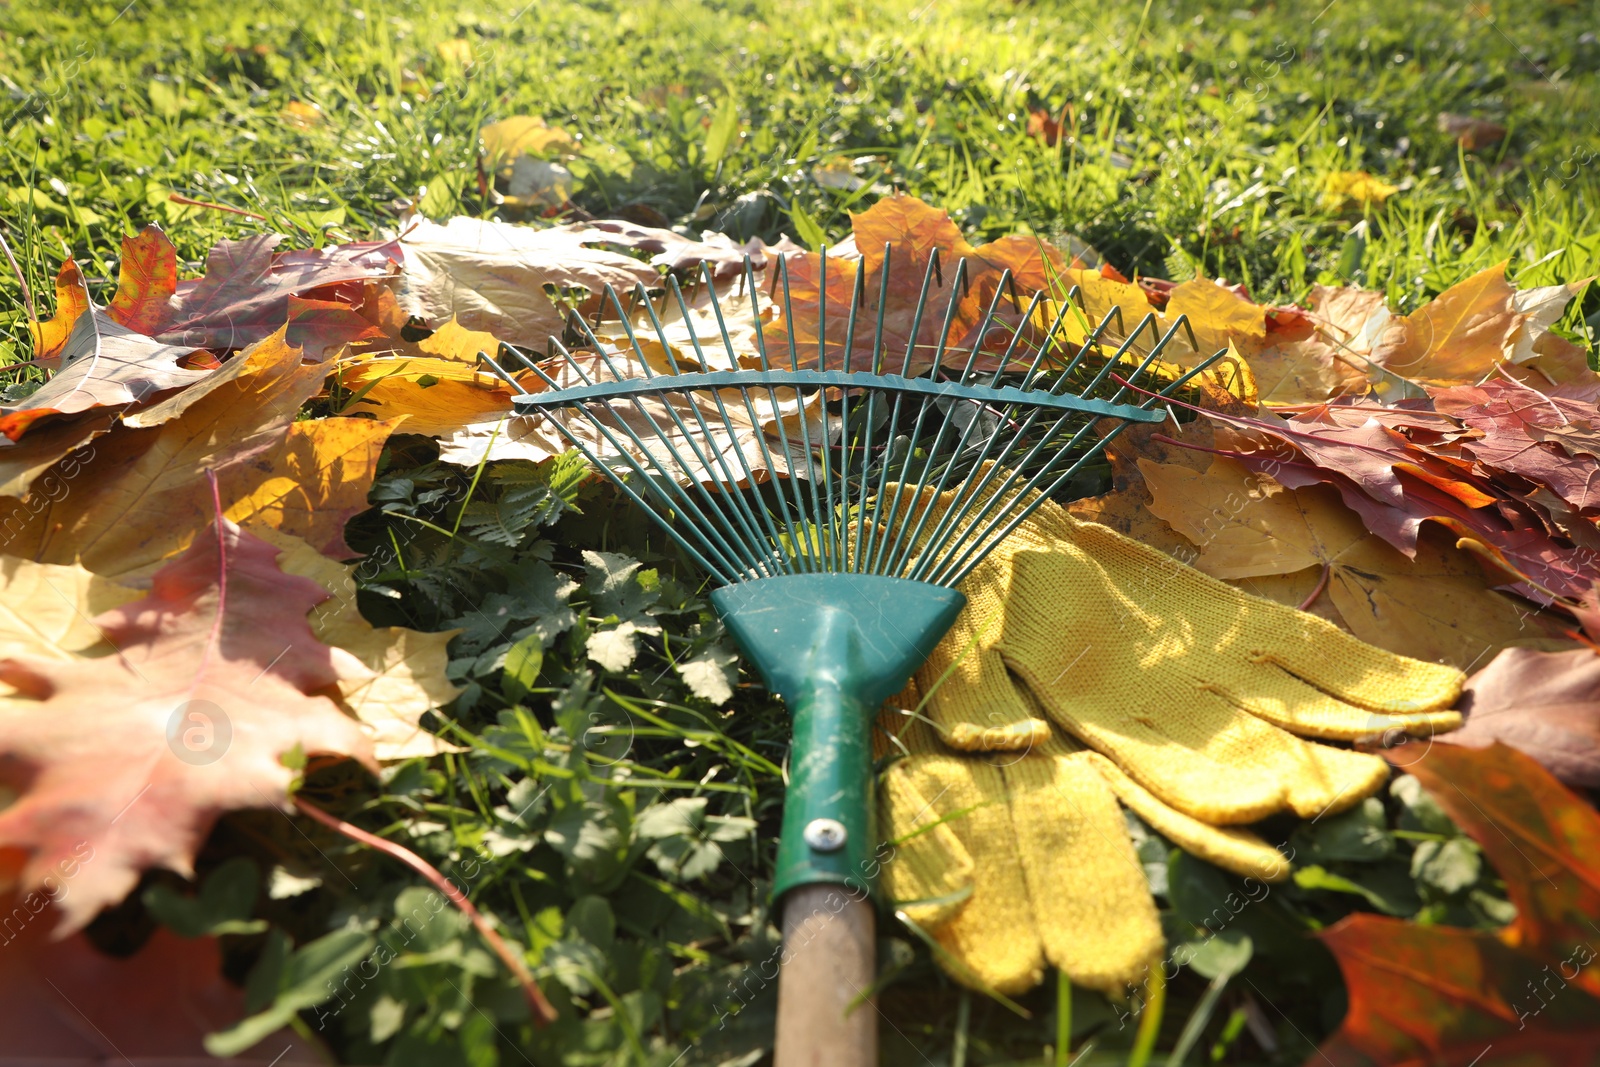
(798, 478)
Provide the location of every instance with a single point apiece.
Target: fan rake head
(839, 492)
(807, 458)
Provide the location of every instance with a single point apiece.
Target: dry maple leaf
(492, 276)
(1434, 606)
(72, 300)
(1527, 996)
(1397, 481)
(147, 279)
(1343, 188)
(102, 364)
(66, 1002)
(201, 699)
(1546, 704)
(404, 674)
(1471, 133)
(46, 609)
(1481, 325)
(904, 248)
(245, 294)
(143, 496)
(59, 441)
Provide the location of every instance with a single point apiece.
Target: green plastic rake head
(792, 476)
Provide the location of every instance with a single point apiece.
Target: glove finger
(1192, 749)
(1322, 655)
(1210, 759)
(1277, 696)
(1091, 900)
(989, 941)
(1306, 646)
(925, 869)
(1235, 850)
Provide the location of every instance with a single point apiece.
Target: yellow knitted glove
(1015, 861)
(1202, 694)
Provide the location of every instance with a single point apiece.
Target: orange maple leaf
(205, 690)
(1528, 995)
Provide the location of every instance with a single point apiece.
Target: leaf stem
(543, 1011)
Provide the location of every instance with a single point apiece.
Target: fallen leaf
(404, 670)
(313, 483)
(318, 325)
(521, 135)
(210, 673)
(1330, 359)
(245, 294)
(143, 495)
(1435, 606)
(66, 1002)
(72, 300)
(901, 240)
(1546, 704)
(22, 462)
(1219, 315)
(491, 276)
(1402, 466)
(1479, 325)
(45, 609)
(1471, 133)
(495, 438)
(147, 279)
(437, 397)
(299, 115)
(1526, 996)
(1344, 187)
(102, 364)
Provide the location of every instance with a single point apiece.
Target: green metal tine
(978, 468)
(724, 572)
(716, 395)
(999, 498)
(662, 438)
(898, 561)
(814, 490)
(857, 297)
(749, 404)
(685, 503)
(866, 531)
(894, 541)
(826, 487)
(1003, 495)
(735, 500)
(783, 433)
(959, 574)
(790, 483)
(874, 564)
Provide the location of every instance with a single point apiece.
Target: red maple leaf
(1526, 996)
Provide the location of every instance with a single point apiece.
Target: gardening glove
(1016, 861)
(1200, 693)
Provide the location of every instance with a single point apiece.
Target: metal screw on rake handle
(802, 486)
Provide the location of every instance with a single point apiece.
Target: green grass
(1199, 138)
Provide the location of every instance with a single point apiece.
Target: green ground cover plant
(617, 823)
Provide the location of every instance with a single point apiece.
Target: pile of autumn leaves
(171, 549)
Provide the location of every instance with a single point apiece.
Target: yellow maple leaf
(521, 135)
(1245, 526)
(1344, 187)
(404, 670)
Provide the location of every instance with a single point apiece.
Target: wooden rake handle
(829, 943)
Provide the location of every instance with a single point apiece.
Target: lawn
(1178, 139)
